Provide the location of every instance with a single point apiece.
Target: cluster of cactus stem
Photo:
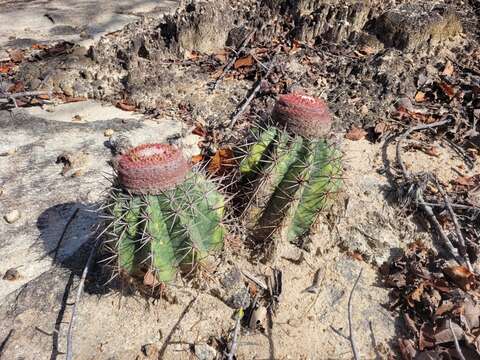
(162, 216)
(290, 171)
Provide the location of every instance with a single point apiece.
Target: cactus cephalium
(163, 215)
(291, 170)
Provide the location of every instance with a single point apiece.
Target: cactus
(290, 171)
(163, 216)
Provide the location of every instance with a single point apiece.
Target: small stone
(77, 118)
(108, 132)
(205, 352)
(12, 216)
(11, 275)
(48, 107)
(150, 350)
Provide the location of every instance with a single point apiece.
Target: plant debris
(428, 292)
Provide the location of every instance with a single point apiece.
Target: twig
(254, 279)
(455, 206)
(356, 355)
(77, 299)
(254, 92)
(455, 340)
(458, 230)
(419, 192)
(236, 331)
(60, 241)
(225, 70)
(406, 134)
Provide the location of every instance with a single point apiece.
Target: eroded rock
(413, 26)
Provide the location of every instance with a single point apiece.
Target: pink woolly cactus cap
(151, 168)
(303, 115)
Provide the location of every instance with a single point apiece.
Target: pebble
(108, 132)
(11, 275)
(12, 216)
(205, 352)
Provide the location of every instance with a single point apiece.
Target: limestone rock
(416, 25)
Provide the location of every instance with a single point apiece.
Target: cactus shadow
(67, 234)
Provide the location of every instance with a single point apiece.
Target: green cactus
(289, 185)
(158, 226)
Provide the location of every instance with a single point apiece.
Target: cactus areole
(303, 115)
(151, 168)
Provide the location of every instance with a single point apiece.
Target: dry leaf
(355, 134)
(191, 55)
(432, 151)
(17, 56)
(17, 87)
(244, 62)
(200, 131)
(420, 96)
(6, 67)
(196, 159)
(39, 47)
(465, 181)
(125, 106)
(367, 50)
(221, 162)
(448, 69)
(461, 276)
(150, 280)
(447, 89)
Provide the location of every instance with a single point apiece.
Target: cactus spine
(163, 216)
(290, 170)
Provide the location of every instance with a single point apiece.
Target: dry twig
(227, 67)
(356, 355)
(455, 340)
(418, 188)
(458, 230)
(240, 110)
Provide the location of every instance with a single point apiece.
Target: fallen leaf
(196, 159)
(39, 47)
(125, 106)
(244, 62)
(432, 151)
(296, 46)
(6, 67)
(420, 96)
(367, 50)
(447, 89)
(461, 276)
(17, 56)
(407, 349)
(465, 181)
(445, 335)
(221, 56)
(448, 69)
(150, 279)
(17, 87)
(221, 162)
(355, 134)
(200, 131)
(380, 128)
(43, 97)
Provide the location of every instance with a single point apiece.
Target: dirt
(163, 66)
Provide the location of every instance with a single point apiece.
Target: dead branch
(455, 340)
(461, 240)
(12, 96)
(240, 110)
(418, 188)
(236, 331)
(356, 355)
(77, 298)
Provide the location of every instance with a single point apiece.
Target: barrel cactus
(290, 172)
(162, 216)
